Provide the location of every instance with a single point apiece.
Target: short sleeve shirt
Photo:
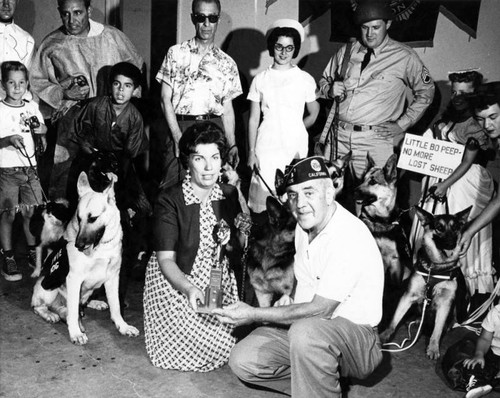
(13, 121)
(200, 84)
(343, 263)
(492, 324)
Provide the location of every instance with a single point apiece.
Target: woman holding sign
(469, 185)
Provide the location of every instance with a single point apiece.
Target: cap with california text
(302, 170)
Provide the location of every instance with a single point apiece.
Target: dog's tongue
(88, 250)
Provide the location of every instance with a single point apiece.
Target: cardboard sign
(429, 156)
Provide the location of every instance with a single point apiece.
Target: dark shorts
(19, 186)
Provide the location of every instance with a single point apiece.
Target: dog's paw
(78, 338)
(128, 330)
(49, 316)
(98, 305)
(433, 352)
(386, 335)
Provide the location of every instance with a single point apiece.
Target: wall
(40, 17)
(243, 24)
(453, 48)
(241, 30)
(136, 24)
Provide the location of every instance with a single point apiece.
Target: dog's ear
(83, 185)
(345, 160)
(110, 190)
(424, 216)
(390, 169)
(279, 182)
(274, 209)
(370, 163)
(463, 215)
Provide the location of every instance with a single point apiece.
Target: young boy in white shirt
(20, 188)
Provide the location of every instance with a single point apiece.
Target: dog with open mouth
(437, 274)
(377, 196)
(94, 252)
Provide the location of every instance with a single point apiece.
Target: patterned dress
(176, 336)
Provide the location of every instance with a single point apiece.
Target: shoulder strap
(343, 69)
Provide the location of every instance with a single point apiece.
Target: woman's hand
(195, 295)
(233, 156)
(438, 191)
(464, 243)
(472, 362)
(253, 161)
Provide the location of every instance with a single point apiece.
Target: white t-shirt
(343, 263)
(491, 323)
(12, 122)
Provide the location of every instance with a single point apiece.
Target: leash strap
(244, 269)
(257, 172)
(334, 111)
(24, 152)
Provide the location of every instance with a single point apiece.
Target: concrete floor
(38, 360)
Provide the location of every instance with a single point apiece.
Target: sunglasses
(200, 18)
(280, 48)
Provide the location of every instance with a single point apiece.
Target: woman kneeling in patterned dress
(177, 336)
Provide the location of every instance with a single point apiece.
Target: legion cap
(301, 170)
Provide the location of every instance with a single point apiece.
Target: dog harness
(432, 279)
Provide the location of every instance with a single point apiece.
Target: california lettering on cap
(301, 170)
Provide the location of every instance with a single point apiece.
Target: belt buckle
(200, 117)
(357, 128)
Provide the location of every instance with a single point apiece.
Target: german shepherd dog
(272, 247)
(94, 251)
(230, 176)
(377, 197)
(270, 254)
(437, 273)
(47, 226)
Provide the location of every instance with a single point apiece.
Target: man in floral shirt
(199, 82)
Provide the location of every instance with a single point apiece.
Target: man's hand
(85, 146)
(236, 314)
(176, 137)
(76, 92)
(43, 139)
(233, 157)
(389, 130)
(338, 89)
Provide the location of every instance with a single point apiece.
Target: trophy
(213, 292)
